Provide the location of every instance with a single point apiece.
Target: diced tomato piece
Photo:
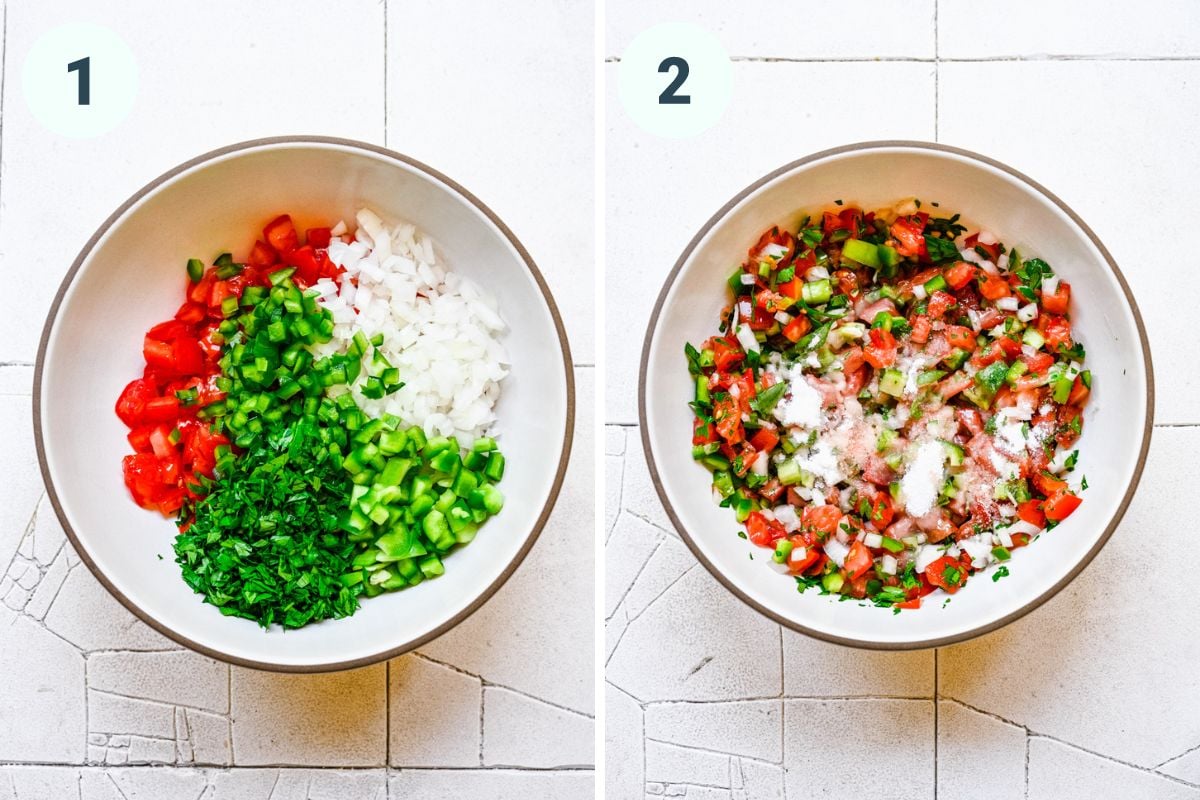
(847, 219)
(852, 359)
(143, 478)
(703, 431)
(726, 353)
(937, 575)
(971, 419)
(1038, 363)
(1031, 512)
(317, 237)
(200, 290)
(772, 490)
(764, 440)
(188, 357)
(881, 351)
(139, 439)
(1059, 300)
(847, 282)
(280, 233)
(939, 303)
(762, 531)
(159, 355)
(858, 561)
(191, 313)
(910, 242)
(791, 288)
(798, 563)
(1079, 393)
(953, 385)
(882, 511)
(822, 519)
(990, 354)
(993, 287)
(131, 405)
(727, 413)
(795, 330)
(921, 328)
(161, 409)
(960, 274)
(1047, 484)
(160, 442)
(305, 262)
(910, 604)
(1056, 330)
(261, 255)
(1061, 505)
(960, 336)
(1070, 425)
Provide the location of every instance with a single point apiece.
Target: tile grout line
(387, 713)
(1000, 59)
(936, 708)
(937, 95)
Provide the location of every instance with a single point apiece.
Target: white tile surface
(1068, 28)
(519, 730)
(979, 757)
(506, 109)
(1061, 772)
(646, 232)
(185, 106)
(1118, 183)
(492, 784)
(760, 28)
(435, 715)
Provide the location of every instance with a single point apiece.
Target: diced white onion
(888, 564)
(816, 274)
(918, 291)
(873, 540)
(746, 339)
(747, 279)
(782, 317)
(1027, 313)
(1009, 303)
(836, 551)
(1050, 285)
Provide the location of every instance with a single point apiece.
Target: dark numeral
(668, 96)
(84, 67)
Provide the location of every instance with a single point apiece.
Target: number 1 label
(84, 67)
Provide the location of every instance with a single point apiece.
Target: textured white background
(93, 704)
(1097, 693)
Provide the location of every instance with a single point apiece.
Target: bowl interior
(1111, 448)
(134, 276)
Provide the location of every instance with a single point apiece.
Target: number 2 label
(669, 96)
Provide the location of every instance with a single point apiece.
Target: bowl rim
(935, 148)
(267, 143)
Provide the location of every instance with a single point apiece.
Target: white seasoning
(923, 478)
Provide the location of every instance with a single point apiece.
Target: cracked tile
(85, 614)
(48, 534)
(813, 668)
(751, 728)
(48, 587)
(435, 715)
(754, 780)
(671, 764)
(18, 473)
(668, 564)
(632, 543)
(44, 707)
(492, 784)
(335, 719)
(969, 740)
(16, 379)
(614, 440)
(614, 469)
(882, 748)
(544, 608)
(519, 731)
(155, 676)
(1186, 767)
(108, 713)
(1059, 772)
(624, 773)
(638, 495)
(681, 648)
(1068, 642)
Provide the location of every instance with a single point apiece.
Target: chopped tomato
(858, 561)
(847, 219)
(703, 431)
(1056, 330)
(131, 405)
(1058, 301)
(1031, 512)
(281, 234)
(921, 328)
(764, 440)
(762, 531)
(822, 519)
(797, 328)
(727, 414)
(318, 237)
(993, 287)
(1061, 505)
(939, 303)
(960, 336)
(910, 241)
(1079, 392)
(1047, 484)
(791, 288)
(910, 604)
(881, 351)
(960, 274)
(882, 511)
(726, 353)
(772, 302)
(947, 573)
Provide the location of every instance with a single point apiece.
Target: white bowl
(131, 275)
(1117, 420)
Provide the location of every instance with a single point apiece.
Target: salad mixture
(890, 404)
(278, 422)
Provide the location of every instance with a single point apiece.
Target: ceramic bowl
(130, 275)
(1023, 214)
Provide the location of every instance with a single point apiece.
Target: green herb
(1001, 572)
(941, 250)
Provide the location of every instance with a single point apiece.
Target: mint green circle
(52, 93)
(709, 83)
